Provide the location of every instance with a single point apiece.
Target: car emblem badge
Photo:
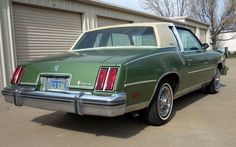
(80, 83)
(56, 67)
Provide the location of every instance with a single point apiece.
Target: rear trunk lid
(81, 68)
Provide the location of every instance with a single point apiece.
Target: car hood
(81, 66)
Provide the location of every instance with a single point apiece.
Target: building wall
(6, 44)
(2, 64)
(230, 43)
(104, 21)
(200, 29)
(90, 12)
(90, 15)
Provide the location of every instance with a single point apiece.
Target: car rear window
(118, 37)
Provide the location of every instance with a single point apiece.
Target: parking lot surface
(199, 120)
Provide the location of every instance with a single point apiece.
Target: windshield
(116, 37)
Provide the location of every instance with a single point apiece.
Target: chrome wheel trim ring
(165, 101)
(217, 80)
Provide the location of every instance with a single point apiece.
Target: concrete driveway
(199, 120)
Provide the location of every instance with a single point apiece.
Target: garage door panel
(23, 43)
(42, 46)
(33, 54)
(46, 13)
(28, 16)
(52, 39)
(41, 28)
(35, 51)
(49, 22)
(42, 32)
(46, 37)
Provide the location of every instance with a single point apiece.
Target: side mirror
(205, 46)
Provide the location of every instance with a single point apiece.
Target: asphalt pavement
(199, 120)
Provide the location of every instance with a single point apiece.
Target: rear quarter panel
(214, 59)
(144, 73)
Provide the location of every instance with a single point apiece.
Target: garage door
(203, 35)
(103, 21)
(43, 32)
(193, 29)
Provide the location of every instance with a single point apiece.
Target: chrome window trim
(177, 37)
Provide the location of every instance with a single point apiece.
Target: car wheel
(160, 109)
(214, 86)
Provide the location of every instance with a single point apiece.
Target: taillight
(101, 78)
(106, 78)
(17, 75)
(111, 79)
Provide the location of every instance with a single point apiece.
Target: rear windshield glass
(115, 37)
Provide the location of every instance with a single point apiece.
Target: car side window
(189, 41)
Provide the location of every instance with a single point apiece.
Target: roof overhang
(141, 13)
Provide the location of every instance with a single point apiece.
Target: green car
(114, 70)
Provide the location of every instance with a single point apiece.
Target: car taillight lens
(101, 78)
(17, 75)
(111, 79)
(106, 78)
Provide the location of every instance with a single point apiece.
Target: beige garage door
(103, 21)
(203, 35)
(43, 32)
(193, 29)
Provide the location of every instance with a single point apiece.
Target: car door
(196, 59)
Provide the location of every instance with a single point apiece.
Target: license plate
(57, 84)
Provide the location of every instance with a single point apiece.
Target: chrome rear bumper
(73, 102)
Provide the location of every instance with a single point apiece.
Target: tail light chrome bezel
(100, 85)
(109, 70)
(17, 75)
